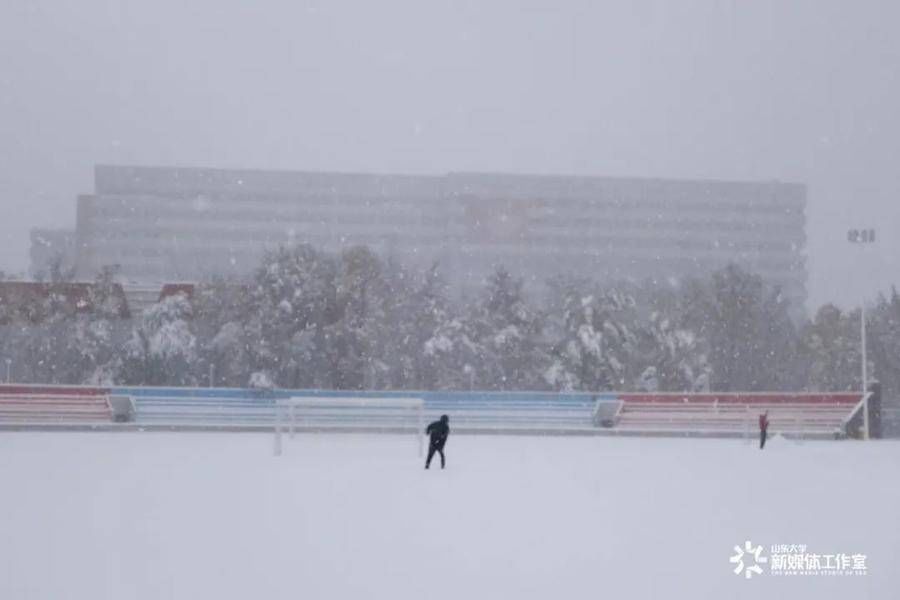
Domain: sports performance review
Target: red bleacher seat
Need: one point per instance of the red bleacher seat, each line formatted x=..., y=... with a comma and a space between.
x=54, y=405
x=792, y=414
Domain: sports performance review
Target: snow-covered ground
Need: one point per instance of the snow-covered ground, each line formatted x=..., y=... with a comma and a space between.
x=216, y=516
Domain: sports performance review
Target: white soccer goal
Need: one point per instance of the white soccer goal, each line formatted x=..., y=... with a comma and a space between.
x=404, y=415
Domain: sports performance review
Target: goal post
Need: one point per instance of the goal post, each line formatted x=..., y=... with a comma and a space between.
x=349, y=413
x=861, y=408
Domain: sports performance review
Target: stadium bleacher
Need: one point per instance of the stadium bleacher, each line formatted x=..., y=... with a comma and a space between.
x=476, y=411
x=53, y=405
x=809, y=415
x=732, y=414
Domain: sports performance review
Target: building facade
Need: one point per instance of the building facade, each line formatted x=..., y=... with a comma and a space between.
x=168, y=224
x=52, y=253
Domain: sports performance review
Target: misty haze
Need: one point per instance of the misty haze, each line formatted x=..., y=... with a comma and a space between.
x=621, y=276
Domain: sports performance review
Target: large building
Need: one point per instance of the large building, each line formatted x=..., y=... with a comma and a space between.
x=52, y=253
x=165, y=224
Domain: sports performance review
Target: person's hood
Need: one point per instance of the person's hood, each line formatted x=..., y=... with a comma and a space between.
x=445, y=419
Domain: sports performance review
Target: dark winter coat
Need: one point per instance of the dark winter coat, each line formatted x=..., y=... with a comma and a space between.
x=439, y=430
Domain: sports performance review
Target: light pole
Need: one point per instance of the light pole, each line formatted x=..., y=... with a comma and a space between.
x=8, y=367
x=863, y=237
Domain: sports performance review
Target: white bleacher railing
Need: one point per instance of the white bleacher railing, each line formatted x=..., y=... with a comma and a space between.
x=862, y=405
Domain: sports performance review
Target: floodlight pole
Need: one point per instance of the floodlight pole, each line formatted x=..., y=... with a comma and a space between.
x=865, y=378
x=862, y=337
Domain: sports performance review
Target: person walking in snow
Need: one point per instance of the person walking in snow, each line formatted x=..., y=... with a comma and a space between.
x=763, y=429
x=439, y=430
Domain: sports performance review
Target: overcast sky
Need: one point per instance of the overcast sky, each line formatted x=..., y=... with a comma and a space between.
x=736, y=89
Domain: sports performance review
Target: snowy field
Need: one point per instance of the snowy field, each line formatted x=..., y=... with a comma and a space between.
x=89, y=516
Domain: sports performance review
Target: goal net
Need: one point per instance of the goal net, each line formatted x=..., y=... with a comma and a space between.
x=342, y=414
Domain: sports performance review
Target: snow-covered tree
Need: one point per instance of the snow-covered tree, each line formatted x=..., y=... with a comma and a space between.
x=98, y=334
x=505, y=334
x=162, y=348
x=354, y=321
x=594, y=346
x=439, y=341
x=221, y=310
x=676, y=358
x=416, y=346
x=280, y=326
x=883, y=337
x=352, y=342
x=67, y=334
x=746, y=323
x=831, y=345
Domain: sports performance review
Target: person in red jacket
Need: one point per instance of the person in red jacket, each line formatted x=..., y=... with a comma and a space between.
x=763, y=429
